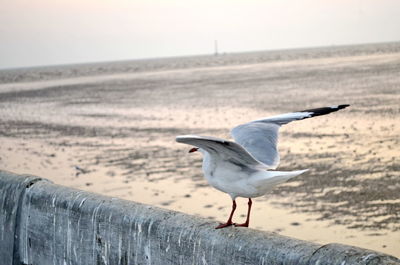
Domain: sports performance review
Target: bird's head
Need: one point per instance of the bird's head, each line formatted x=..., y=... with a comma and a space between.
x=194, y=149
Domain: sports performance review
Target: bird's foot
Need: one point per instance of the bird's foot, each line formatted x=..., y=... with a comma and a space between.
x=242, y=225
x=224, y=225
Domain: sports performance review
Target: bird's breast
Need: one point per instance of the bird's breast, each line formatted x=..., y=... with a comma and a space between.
x=226, y=177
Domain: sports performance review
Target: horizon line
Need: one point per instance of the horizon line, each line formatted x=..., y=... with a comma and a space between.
x=221, y=53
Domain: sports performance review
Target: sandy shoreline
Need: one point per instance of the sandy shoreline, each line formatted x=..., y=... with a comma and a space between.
x=120, y=128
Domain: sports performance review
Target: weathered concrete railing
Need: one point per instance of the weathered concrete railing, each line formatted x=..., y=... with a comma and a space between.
x=42, y=223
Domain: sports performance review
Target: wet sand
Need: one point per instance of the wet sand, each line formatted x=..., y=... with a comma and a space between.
x=117, y=124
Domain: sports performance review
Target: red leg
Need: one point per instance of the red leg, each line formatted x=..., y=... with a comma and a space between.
x=246, y=224
x=229, y=222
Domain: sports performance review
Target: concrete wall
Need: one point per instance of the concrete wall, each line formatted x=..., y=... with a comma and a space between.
x=42, y=223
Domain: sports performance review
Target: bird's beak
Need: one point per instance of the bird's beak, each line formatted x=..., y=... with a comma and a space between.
x=194, y=149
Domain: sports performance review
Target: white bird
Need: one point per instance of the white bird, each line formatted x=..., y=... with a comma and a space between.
x=243, y=168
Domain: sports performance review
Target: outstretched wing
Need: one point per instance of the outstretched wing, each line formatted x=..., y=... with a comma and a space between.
x=223, y=149
x=260, y=137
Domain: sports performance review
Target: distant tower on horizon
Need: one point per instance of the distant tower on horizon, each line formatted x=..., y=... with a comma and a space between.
x=215, y=47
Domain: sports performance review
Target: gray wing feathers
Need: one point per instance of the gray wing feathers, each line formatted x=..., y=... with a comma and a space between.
x=225, y=150
x=256, y=140
x=260, y=137
x=260, y=140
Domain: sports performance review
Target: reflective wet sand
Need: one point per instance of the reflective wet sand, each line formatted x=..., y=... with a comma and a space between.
x=118, y=126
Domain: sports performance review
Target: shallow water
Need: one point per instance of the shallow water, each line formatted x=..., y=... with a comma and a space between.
x=119, y=126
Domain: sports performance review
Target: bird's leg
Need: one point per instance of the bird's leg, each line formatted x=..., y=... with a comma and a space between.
x=229, y=222
x=246, y=224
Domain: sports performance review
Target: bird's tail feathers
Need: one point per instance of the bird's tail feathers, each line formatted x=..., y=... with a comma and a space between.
x=278, y=177
x=290, y=174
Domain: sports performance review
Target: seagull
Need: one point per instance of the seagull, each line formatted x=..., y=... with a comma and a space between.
x=244, y=168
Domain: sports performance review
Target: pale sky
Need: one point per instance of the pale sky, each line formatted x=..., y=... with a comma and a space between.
x=46, y=32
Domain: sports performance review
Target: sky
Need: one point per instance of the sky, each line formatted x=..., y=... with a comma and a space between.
x=48, y=32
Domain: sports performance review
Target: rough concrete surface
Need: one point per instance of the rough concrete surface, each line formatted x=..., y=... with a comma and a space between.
x=59, y=225
x=12, y=190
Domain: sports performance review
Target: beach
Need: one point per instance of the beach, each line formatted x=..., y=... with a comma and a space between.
x=110, y=128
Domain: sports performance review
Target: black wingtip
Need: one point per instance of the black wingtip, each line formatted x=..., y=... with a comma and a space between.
x=343, y=106
x=325, y=110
